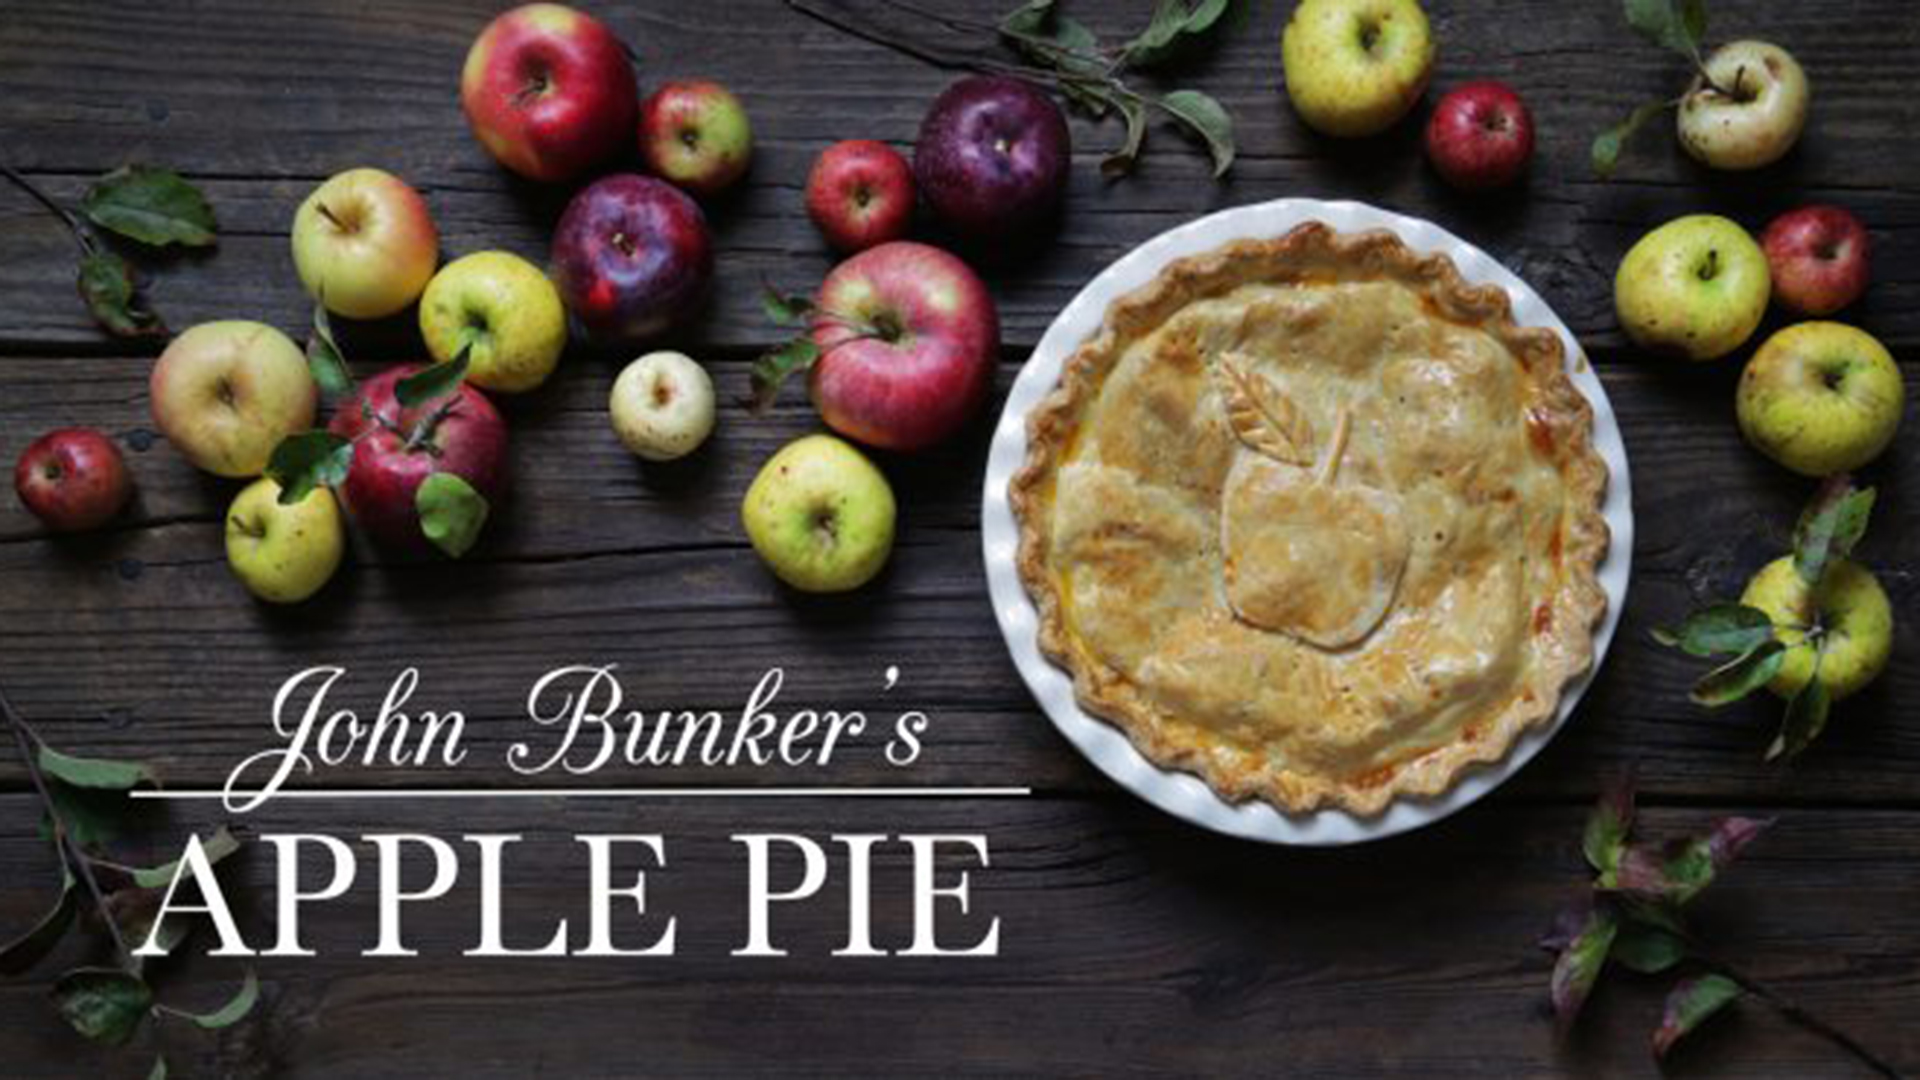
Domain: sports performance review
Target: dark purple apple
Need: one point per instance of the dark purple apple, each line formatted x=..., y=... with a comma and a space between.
x=992, y=156
x=398, y=448
x=632, y=258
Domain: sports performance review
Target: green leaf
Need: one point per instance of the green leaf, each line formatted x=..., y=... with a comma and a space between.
x=102, y=1004
x=235, y=1010
x=92, y=816
x=1174, y=23
x=159, y=1069
x=1720, y=630
x=1038, y=31
x=1206, y=118
x=1608, y=824
x=432, y=381
x=451, y=512
x=1608, y=144
x=1739, y=677
x=98, y=773
x=1646, y=949
x=309, y=460
x=772, y=369
x=1121, y=161
x=1690, y=1003
x=782, y=309
x=1672, y=24
x=1677, y=872
x=1805, y=719
x=30, y=948
x=106, y=284
x=1090, y=96
x=1579, y=964
x=153, y=206
x=323, y=357
x=1830, y=526
x=217, y=847
x=135, y=910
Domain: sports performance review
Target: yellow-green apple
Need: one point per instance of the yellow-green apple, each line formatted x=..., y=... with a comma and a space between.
x=225, y=394
x=283, y=553
x=397, y=448
x=908, y=336
x=1354, y=67
x=859, y=194
x=1820, y=398
x=364, y=244
x=1746, y=108
x=695, y=134
x=549, y=91
x=503, y=312
x=662, y=406
x=992, y=158
x=1819, y=258
x=820, y=515
x=72, y=479
x=632, y=258
x=1695, y=287
x=1480, y=136
x=1849, y=607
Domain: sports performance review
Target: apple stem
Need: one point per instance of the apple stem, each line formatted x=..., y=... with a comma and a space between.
x=327, y=213
x=1799, y=1014
x=421, y=438
x=926, y=55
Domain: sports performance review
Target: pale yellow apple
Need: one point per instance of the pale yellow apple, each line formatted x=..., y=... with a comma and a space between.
x=662, y=406
x=1747, y=109
x=283, y=554
x=1353, y=67
x=821, y=515
x=364, y=244
x=225, y=394
x=1695, y=287
x=504, y=311
x=1821, y=398
x=1851, y=606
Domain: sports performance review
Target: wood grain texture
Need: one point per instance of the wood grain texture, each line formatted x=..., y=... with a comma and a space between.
x=1134, y=945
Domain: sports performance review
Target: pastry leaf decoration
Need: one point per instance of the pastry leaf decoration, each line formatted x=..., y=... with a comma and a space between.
x=1263, y=417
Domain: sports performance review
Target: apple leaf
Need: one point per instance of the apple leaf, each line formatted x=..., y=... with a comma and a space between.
x=451, y=512
x=783, y=309
x=1121, y=161
x=1608, y=144
x=1175, y=22
x=1689, y=1005
x=98, y=773
x=1580, y=962
x=153, y=206
x=432, y=381
x=1805, y=719
x=1676, y=872
x=1671, y=24
x=1038, y=31
x=234, y=1011
x=1204, y=117
x=323, y=357
x=1739, y=677
x=217, y=848
x=1830, y=526
x=309, y=460
x=102, y=1004
x=1608, y=825
x=31, y=947
x=159, y=1069
x=1719, y=630
x=1646, y=949
x=106, y=284
x=772, y=369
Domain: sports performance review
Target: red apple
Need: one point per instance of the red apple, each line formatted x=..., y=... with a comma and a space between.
x=631, y=258
x=908, y=336
x=859, y=194
x=400, y=448
x=548, y=91
x=1819, y=256
x=1480, y=136
x=695, y=135
x=73, y=479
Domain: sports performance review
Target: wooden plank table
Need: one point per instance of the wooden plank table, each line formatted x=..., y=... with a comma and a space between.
x=1130, y=943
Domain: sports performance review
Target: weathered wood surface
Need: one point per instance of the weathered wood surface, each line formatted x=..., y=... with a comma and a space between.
x=1134, y=944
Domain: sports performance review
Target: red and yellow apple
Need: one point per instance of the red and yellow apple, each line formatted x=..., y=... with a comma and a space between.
x=225, y=394
x=695, y=135
x=549, y=91
x=1819, y=258
x=859, y=194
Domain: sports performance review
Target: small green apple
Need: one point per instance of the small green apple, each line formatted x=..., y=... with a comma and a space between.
x=1695, y=287
x=1849, y=606
x=225, y=394
x=1746, y=108
x=283, y=554
x=1821, y=398
x=364, y=244
x=820, y=515
x=1353, y=67
x=504, y=311
x=662, y=406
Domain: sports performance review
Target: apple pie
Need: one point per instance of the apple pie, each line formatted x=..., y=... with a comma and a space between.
x=1312, y=518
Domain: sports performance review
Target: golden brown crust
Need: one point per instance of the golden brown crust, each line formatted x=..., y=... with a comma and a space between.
x=1561, y=418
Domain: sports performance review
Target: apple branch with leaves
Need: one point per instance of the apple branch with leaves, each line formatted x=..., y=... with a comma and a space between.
x=1635, y=916
x=150, y=206
x=1678, y=25
x=85, y=804
x=1750, y=645
x=1065, y=54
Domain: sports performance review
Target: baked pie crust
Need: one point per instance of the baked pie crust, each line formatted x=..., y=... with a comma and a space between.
x=1312, y=518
